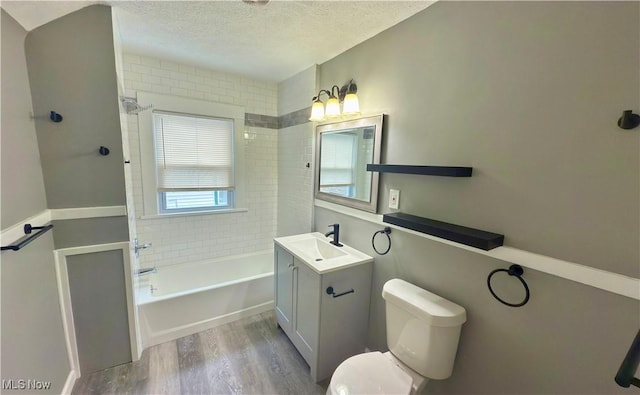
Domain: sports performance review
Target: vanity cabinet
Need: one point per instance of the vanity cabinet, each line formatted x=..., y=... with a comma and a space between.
x=325, y=327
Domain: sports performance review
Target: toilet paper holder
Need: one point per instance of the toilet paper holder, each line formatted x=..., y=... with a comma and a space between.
x=330, y=291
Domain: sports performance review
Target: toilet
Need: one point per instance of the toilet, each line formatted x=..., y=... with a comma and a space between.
x=423, y=330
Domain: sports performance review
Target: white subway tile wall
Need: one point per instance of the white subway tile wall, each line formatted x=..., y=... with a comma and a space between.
x=295, y=182
x=295, y=150
x=197, y=238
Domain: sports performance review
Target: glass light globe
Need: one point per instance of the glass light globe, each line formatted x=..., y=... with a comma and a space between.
x=317, y=111
x=333, y=107
x=351, y=104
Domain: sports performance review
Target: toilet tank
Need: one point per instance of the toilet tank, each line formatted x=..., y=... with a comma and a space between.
x=423, y=328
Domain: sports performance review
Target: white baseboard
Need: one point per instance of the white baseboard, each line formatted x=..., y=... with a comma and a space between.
x=68, y=385
x=16, y=231
x=189, y=329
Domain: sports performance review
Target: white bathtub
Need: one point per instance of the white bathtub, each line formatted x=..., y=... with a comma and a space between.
x=192, y=297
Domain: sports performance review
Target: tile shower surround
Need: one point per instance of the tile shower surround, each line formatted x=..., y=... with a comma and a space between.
x=293, y=118
x=200, y=237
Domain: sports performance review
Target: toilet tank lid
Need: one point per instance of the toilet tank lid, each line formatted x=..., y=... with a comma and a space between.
x=433, y=309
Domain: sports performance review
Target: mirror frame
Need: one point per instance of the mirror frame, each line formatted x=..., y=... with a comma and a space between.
x=374, y=120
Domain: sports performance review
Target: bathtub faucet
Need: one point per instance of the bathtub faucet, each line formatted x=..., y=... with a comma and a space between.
x=336, y=235
x=146, y=270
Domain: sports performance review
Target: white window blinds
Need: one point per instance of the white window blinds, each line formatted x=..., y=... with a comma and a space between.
x=337, y=159
x=193, y=153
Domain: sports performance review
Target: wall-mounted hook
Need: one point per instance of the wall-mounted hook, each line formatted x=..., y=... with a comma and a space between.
x=629, y=120
x=55, y=117
x=104, y=151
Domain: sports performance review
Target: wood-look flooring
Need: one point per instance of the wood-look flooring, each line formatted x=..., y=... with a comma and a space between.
x=248, y=356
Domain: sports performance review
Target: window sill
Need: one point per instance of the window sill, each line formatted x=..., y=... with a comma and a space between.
x=196, y=213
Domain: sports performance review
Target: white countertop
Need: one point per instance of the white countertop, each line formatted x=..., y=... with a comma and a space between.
x=316, y=251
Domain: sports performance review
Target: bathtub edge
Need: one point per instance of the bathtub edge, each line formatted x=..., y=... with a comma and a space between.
x=190, y=329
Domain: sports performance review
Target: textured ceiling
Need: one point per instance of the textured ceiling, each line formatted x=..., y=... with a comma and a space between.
x=270, y=42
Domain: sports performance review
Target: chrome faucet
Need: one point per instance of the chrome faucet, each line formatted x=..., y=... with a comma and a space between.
x=146, y=270
x=336, y=235
x=137, y=246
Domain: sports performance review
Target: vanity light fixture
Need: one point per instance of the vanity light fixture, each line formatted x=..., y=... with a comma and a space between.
x=347, y=95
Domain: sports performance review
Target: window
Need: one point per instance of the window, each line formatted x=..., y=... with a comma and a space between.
x=194, y=161
x=188, y=156
x=338, y=163
x=195, y=200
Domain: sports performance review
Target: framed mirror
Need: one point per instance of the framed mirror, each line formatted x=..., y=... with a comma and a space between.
x=343, y=151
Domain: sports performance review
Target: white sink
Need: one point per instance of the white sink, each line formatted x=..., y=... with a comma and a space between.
x=317, y=249
x=317, y=252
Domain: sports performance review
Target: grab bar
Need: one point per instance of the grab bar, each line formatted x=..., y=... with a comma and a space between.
x=27, y=231
x=629, y=365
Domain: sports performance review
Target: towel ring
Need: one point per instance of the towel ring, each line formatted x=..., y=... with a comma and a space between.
x=514, y=270
x=384, y=231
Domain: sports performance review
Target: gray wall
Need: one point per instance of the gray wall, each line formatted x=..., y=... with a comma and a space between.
x=32, y=341
x=23, y=189
x=99, y=303
x=528, y=93
x=90, y=231
x=72, y=71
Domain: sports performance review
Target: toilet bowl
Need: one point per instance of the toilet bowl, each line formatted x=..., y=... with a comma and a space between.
x=375, y=373
x=423, y=330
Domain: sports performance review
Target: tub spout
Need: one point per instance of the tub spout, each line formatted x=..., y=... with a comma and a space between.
x=146, y=270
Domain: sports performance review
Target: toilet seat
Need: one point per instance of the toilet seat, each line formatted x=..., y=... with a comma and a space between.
x=369, y=373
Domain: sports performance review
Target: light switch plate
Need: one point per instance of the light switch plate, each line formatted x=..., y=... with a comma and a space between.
x=394, y=198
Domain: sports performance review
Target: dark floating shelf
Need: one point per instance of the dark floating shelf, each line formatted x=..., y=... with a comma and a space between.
x=443, y=171
x=460, y=234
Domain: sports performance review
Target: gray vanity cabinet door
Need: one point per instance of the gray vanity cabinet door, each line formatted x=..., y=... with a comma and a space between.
x=307, y=312
x=284, y=288
x=344, y=320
